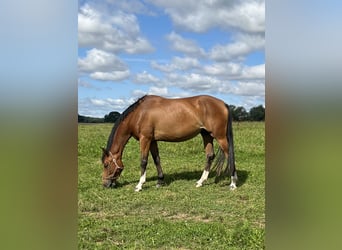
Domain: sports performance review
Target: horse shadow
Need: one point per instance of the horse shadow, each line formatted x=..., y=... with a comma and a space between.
x=242, y=177
x=192, y=175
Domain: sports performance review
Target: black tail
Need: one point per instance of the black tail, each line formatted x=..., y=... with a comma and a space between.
x=230, y=138
x=220, y=155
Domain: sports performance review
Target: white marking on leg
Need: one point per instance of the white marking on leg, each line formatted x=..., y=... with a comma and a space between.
x=141, y=182
x=204, y=177
x=233, y=181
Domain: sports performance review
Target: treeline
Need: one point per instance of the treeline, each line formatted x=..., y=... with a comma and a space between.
x=239, y=114
x=88, y=119
x=255, y=114
x=110, y=118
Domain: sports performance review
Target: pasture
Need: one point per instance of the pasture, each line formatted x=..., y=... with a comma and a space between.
x=177, y=215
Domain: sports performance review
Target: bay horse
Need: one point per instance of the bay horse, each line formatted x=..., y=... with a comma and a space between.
x=153, y=118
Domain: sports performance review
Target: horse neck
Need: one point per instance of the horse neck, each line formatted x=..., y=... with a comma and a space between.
x=120, y=139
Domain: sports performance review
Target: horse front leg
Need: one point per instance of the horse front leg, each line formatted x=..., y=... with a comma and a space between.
x=155, y=154
x=144, y=149
x=142, y=179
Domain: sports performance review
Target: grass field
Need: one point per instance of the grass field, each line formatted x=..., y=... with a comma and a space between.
x=177, y=215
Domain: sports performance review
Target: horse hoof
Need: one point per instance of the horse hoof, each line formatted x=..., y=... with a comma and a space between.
x=159, y=185
x=137, y=189
x=232, y=187
x=199, y=185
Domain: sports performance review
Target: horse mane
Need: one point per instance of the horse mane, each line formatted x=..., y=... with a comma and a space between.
x=122, y=117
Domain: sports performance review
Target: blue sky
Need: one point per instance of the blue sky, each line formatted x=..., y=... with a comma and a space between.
x=169, y=48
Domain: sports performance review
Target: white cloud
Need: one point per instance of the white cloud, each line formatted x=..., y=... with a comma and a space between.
x=162, y=91
x=254, y=72
x=218, y=69
x=131, y=6
x=249, y=88
x=200, y=16
x=117, y=32
x=186, y=46
x=185, y=63
x=138, y=93
x=223, y=69
x=177, y=63
x=235, y=71
x=193, y=82
x=243, y=45
x=98, y=60
x=252, y=101
x=104, y=66
x=158, y=91
x=110, y=76
x=97, y=102
x=107, y=104
x=84, y=84
x=96, y=107
x=146, y=78
x=246, y=82
x=248, y=16
x=250, y=92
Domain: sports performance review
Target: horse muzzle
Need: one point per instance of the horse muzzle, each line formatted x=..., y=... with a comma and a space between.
x=109, y=183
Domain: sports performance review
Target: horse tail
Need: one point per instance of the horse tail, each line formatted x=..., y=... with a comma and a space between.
x=220, y=160
x=230, y=138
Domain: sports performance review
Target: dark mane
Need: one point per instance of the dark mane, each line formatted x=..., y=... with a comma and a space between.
x=122, y=117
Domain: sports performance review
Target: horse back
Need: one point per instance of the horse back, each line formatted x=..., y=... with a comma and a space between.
x=178, y=119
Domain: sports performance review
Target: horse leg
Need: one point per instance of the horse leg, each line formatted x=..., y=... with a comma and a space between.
x=144, y=149
x=209, y=150
x=155, y=154
x=224, y=146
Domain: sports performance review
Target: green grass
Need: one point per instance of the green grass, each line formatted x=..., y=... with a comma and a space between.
x=177, y=215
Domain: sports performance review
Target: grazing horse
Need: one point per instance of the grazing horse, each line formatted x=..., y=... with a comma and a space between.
x=153, y=118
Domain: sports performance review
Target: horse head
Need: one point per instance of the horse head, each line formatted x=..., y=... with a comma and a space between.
x=111, y=169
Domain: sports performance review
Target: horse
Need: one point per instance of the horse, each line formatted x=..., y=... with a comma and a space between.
x=153, y=118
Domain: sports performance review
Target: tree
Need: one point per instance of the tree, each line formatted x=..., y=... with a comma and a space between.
x=111, y=117
x=257, y=113
x=81, y=118
x=232, y=109
x=88, y=119
x=238, y=113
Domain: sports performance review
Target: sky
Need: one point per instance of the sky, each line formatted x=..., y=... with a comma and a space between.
x=169, y=48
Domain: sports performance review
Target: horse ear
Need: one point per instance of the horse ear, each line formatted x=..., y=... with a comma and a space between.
x=105, y=151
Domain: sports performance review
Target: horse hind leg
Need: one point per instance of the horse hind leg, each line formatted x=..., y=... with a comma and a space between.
x=209, y=150
x=224, y=147
x=234, y=180
x=155, y=154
